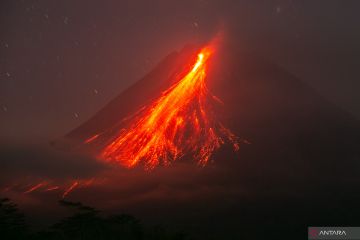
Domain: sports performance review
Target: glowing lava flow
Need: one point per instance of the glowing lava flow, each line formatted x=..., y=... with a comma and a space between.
x=71, y=188
x=48, y=186
x=179, y=123
x=37, y=186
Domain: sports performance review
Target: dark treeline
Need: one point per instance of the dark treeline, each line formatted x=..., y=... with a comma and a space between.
x=85, y=223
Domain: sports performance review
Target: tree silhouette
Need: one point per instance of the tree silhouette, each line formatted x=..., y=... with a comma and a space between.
x=85, y=223
x=12, y=222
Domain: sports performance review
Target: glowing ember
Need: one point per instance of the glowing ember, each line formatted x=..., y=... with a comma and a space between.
x=72, y=187
x=64, y=188
x=92, y=138
x=37, y=186
x=180, y=122
x=52, y=188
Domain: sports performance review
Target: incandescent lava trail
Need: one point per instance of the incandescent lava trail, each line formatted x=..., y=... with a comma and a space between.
x=179, y=123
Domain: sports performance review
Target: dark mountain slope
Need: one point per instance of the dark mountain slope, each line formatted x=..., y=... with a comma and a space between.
x=301, y=168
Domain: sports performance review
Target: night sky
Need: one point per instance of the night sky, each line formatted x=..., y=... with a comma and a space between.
x=61, y=61
x=291, y=97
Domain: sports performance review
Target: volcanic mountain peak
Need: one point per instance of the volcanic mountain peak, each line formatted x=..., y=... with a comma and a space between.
x=282, y=117
x=180, y=122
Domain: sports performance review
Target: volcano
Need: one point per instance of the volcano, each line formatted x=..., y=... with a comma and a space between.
x=176, y=124
x=264, y=104
x=300, y=168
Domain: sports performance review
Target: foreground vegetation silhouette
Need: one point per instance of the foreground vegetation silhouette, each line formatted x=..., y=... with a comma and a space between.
x=85, y=223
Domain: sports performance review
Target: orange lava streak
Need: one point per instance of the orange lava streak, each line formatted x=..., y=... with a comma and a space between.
x=72, y=187
x=35, y=187
x=52, y=188
x=92, y=138
x=179, y=123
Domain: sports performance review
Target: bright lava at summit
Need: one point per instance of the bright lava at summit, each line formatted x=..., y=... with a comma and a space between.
x=180, y=123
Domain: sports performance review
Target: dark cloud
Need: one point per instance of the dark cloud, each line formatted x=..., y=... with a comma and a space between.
x=212, y=201
x=21, y=161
